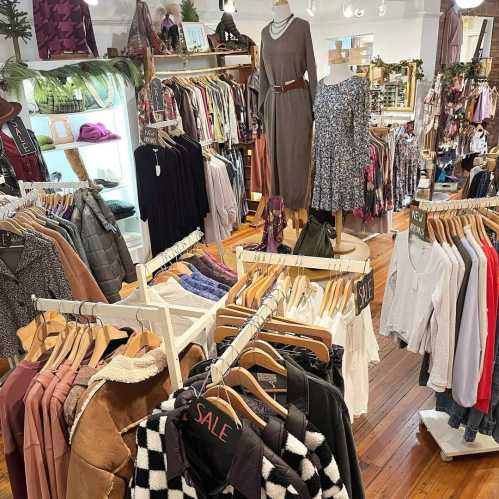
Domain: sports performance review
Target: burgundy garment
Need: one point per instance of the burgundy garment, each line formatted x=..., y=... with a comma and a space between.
x=63, y=26
x=27, y=168
x=452, y=38
x=12, y=423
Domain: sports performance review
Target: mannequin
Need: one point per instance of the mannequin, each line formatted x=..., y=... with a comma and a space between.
x=282, y=10
x=456, y=8
x=340, y=68
x=339, y=71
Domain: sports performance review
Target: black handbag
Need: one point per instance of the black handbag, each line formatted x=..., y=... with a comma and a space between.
x=315, y=240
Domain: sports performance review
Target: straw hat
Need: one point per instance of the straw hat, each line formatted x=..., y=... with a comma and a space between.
x=8, y=110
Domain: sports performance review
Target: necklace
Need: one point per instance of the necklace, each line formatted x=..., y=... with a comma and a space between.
x=278, y=27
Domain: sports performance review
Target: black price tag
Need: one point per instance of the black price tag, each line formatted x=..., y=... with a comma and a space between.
x=157, y=100
x=211, y=425
x=419, y=220
x=150, y=136
x=364, y=292
x=21, y=136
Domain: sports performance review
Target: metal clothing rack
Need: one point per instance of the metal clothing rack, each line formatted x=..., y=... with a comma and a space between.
x=30, y=186
x=158, y=316
x=450, y=440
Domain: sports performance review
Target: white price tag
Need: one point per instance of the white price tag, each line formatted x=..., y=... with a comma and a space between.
x=2, y=179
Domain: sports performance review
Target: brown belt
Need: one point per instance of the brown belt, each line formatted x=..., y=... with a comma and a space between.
x=294, y=85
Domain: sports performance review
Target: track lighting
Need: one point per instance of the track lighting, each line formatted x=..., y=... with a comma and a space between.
x=312, y=8
x=92, y=2
x=228, y=6
x=360, y=12
x=348, y=10
x=382, y=9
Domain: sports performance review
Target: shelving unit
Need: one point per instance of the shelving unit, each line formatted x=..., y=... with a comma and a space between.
x=78, y=145
x=216, y=53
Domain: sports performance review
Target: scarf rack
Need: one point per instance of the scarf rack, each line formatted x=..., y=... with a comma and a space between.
x=159, y=316
x=40, y=186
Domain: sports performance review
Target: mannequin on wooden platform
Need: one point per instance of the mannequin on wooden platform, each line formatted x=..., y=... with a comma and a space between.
x=339, y=71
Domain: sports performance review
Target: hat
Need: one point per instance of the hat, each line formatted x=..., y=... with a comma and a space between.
x=8, y=110
x=90, y=132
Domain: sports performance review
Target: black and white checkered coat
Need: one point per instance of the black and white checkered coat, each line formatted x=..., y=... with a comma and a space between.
x=150, y=476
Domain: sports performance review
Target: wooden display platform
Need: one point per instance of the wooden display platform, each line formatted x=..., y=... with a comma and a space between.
x=451, y=441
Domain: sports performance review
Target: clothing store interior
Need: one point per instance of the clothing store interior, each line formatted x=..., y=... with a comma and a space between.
x=228, y=222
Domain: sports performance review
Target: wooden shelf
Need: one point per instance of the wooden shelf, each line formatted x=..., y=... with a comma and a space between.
x=88, y=111
x=202, y=54
x=79, y=145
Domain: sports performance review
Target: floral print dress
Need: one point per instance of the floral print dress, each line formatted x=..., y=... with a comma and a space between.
x=341, y=144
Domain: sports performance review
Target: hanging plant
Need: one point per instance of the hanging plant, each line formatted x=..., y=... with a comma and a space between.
x=467, y=70
x=401, y=67
x=80, y=76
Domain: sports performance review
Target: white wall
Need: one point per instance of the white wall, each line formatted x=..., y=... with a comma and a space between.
x=410, y=29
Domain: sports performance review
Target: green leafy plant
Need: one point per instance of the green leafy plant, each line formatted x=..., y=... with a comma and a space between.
x=468, y=70
x=106, y=73
x=189, y=12
x=399, y=67
x=14, y=24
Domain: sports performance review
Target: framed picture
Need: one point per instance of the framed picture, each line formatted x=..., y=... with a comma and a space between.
x=195, y=37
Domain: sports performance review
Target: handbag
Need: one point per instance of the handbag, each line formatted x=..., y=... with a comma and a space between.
x=314, y=240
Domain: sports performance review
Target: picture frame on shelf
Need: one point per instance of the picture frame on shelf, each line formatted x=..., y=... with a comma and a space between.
x=195, y=37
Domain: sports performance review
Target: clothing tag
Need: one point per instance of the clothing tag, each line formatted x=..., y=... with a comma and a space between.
x=158, y=170
x=157, y=100
x=271, y=381
x=2, y=179
x=418, y=224
x=21, y=137
x=8, y=239
x=212, y=425
x=364, y=292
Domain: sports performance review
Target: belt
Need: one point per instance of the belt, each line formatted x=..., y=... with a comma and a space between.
x=294, y=85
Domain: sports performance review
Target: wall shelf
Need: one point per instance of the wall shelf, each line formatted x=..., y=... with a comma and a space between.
x=79, y=145
x=221, y=53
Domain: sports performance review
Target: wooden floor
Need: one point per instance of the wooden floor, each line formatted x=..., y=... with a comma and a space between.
x=398, y=458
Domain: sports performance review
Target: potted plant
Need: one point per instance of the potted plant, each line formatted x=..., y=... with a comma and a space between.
x=14, y=24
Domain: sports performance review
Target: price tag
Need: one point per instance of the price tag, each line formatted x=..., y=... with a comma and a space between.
x=157, y=99
x=2, y=179
x=419, y=220
x=21, y=136
x=364, y=292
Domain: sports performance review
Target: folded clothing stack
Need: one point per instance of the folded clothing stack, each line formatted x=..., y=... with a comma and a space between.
x=121, y=209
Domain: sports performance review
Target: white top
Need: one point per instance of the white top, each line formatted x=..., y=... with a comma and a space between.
x=172, y=293
x=482, y=293
x=309, y=306
x=416, y=305
x=356, y=335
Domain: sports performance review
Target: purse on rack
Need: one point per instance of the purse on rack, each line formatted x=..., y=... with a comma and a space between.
x=314, y=240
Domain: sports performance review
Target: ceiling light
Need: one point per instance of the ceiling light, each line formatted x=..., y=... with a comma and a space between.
x=382, y=9
x=312, y=8
x=360, y=12
x=92, y=2
x=468, y=4
x=228, y=6
x=348, y=10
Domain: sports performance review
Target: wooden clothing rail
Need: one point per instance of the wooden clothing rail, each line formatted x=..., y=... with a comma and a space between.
x=187, y=72
x=457, y=204
x=159, y=316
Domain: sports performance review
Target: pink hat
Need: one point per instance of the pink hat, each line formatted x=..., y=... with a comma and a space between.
x=90, y=132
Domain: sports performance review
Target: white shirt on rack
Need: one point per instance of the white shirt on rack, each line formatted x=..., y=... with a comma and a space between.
x=309, y=306
x=356, y=335
x=482, y=293
x=416, y=305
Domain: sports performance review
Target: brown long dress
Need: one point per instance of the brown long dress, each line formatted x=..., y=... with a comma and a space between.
x=288, y=116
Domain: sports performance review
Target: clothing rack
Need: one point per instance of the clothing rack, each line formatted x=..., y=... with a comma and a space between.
x=457, y=204
x=159, y=316
x=310, y=262
x=218, y=69
x=247, y=333
x=15, y=204
x=30, y=186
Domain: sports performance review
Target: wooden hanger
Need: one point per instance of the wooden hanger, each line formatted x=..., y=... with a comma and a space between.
x=33, y=336
x=103, y=337
x=236, y=402
x=86, y=340
x=240, y=284
x=274, y=325
x=224, y=407
x=347, y=293
x=63, y=348
x=331, y=306
x=267, y=348
x=327, y=294
x=241, y=377
x=141, y=340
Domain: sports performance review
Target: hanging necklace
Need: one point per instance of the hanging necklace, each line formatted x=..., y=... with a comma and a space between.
x=278, y=27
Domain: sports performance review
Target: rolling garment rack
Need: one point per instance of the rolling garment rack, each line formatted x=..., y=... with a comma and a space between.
x=451, y=441
x=159, y=316
x=271, y=303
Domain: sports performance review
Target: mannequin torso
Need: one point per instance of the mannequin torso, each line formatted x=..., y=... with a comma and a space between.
x=338, y=73
x=283, y=17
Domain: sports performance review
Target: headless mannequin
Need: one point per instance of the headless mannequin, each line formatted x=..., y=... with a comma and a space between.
x=339, y=71
x=281, y=11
